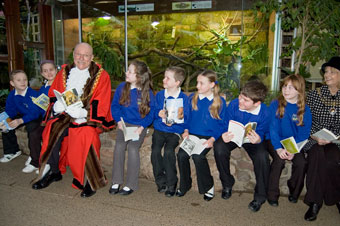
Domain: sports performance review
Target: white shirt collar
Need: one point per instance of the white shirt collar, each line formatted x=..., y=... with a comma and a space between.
x=166, y=94
x=256, y=111
x=210, y=97
x=23, y=94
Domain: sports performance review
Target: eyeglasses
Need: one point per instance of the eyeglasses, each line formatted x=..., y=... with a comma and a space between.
x=85, y=56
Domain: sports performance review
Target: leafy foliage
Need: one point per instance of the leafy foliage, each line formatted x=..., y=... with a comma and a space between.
x=318, y=27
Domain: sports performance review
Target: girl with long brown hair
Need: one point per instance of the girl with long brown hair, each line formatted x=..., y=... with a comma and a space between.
x=207, y=109
x=291, y=117
x=134, y=103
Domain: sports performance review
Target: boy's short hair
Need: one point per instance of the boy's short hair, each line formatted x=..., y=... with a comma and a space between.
x=179, y=73
x=14, y=72
x=255, y=90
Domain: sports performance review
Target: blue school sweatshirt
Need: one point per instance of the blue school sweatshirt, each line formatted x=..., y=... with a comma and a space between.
x=282, y=128
x=130, y=113
x=174, y=128
x=262, y=118
x=200, y=120
x=22, y=105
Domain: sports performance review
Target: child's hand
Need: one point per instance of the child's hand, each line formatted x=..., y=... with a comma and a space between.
x=120, y=125
x=139, y=130
x=209, y=142
x=253, y=137
x=320, y=141
x=290, y=156
x=15, y=123
x=283, y=153
x=227, y=137
x=185, y=134
x=3, y=127
x=162, y=114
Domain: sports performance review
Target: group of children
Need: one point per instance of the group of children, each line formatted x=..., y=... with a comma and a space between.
x=206, y=115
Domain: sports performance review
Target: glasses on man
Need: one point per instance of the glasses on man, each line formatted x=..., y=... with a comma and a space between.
x=85, y=56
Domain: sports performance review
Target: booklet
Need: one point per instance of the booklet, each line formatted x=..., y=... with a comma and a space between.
x=129, y=132
x=326, y=134
x=42, y=101
x=240, y=131
x=4, y=120
x=173, y=111
x=291, y=146
x=69, y=98
x=193, y=145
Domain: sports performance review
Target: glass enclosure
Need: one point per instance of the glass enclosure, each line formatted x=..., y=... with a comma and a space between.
x=217, y=34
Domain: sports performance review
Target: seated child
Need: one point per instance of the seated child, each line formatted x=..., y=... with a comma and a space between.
x=48, y=70
x=247, y=108
x=22, y=111
x=291, y=117
x=167, y=133
x=206, y=110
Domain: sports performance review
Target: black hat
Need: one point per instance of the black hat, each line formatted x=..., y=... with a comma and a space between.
x=333, y=62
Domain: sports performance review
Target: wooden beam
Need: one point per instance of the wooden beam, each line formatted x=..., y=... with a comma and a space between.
x=46, y=31
x=13, y=33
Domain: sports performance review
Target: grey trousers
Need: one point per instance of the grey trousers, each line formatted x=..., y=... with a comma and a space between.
x=133, y=162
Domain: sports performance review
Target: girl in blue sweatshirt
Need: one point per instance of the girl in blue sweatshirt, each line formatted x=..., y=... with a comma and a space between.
x=134, y=103
x=205, y=121
x=291, y=117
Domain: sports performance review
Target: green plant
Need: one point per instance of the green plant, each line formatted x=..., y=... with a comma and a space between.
x=3, y=96
x=317, y=22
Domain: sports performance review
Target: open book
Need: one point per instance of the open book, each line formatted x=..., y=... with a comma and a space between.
x=240, y=131
x=193, y=145
x=129, y=132
x=291, y=146
x=173, y=111
x=4, y=120
x=325, y=134
x=69, y=98
x=42, y=101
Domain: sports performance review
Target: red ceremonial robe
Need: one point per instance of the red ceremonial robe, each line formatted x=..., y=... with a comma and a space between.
x=80, y=150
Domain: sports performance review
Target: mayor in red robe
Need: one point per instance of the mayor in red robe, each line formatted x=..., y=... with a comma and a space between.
x=71, y=135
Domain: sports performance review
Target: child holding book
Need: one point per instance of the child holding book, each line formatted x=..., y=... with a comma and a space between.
x=21, y=111
x=247, y=108
x=134, y=102
x=167, y=134
x=48, y=70
x=206, y=110
x=291, y=117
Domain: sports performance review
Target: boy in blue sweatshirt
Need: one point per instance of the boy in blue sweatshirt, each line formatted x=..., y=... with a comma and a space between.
x=22, y=111
x=167, y=134
x=247, y=108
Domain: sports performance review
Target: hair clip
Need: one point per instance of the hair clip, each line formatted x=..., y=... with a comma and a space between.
x=216, y=82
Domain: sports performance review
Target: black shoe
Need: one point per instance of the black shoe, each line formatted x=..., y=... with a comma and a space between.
x=87, y=191
x=226, y=193
x=208, y=196
x=170, y=191
x=338, y=205
x=47, y=180
x=114, y=191
x=161, y=188
x=124, y=192
x=255, y=205
x=179, y=193
x=292, y=199
x=273, y=203
x=312, y=212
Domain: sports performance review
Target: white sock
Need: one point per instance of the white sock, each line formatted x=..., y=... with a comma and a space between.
x=210, y=193
x=126, y=188
x=115, y=186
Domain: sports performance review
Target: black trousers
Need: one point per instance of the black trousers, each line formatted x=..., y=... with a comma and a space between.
x=260, y=158
x=204, y=179
x=10, y=142
x=323, y=175
x=54, y=158
x=164, y=166
x=297, y=179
